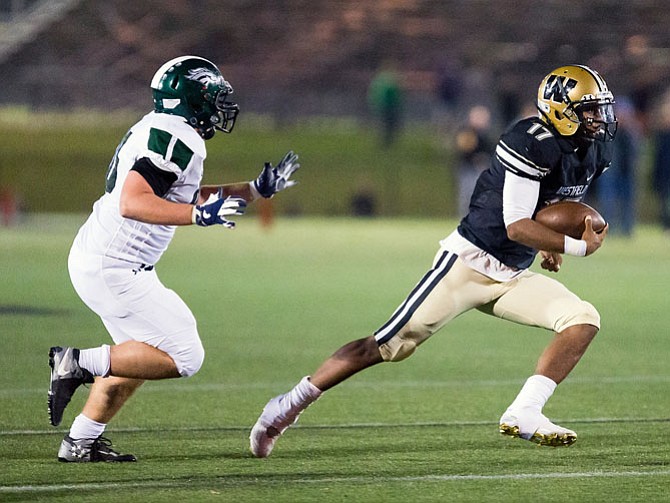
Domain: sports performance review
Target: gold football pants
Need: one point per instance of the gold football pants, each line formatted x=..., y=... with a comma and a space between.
x=451, y=288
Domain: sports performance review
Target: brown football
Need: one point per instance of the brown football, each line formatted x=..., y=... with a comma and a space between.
x=567, y=217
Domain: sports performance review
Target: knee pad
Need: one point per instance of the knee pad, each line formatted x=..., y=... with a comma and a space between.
x=189, y=360
x=397, y=349
x=184, y=347
x=584, y=314
x=403, y=344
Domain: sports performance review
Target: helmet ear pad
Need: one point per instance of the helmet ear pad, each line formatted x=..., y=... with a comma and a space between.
x=207, y=134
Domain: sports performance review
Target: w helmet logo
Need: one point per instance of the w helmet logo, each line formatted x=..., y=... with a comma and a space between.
x=206, y=77
x=558, y=88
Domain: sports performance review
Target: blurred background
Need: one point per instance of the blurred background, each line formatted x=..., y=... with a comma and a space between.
x=393, y=105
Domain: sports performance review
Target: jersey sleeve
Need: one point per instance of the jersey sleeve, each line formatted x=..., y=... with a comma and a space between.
x=528, y=150
x=167, y=152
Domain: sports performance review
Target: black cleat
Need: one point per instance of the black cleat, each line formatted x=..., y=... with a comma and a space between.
x=66, y=377
x=90, y=450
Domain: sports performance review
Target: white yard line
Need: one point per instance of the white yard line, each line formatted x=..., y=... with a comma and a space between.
x=159, y=484
x=342, y=426
x=447, y=383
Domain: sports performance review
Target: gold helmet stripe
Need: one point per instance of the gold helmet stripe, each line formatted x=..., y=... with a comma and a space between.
x=602, y=86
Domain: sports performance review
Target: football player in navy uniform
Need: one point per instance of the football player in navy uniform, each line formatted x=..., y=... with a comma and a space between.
x=484, y=263
x=152, y=186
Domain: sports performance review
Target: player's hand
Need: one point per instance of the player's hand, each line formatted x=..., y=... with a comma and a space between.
x=594, y=240
x=551, y=261
x=275, y=179
x=215, y=209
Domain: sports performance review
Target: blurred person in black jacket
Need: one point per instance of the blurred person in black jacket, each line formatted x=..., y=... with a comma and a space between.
x=616, y=190
x=661, y=178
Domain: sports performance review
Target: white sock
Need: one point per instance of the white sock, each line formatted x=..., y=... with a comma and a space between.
x=298, y=399
x=96, y=360
x=534, y=393
x=83, y=427
x=303, y=394
x=307, y=390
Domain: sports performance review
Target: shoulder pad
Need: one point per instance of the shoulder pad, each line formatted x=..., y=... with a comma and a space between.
x=529, y=149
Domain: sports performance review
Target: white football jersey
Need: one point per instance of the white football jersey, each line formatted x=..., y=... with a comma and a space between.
x=171, y=145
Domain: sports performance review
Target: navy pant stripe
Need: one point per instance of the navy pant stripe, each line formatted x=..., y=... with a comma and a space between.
x=402, y=315
x=426, y=278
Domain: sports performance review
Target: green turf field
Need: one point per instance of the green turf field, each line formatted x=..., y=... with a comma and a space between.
x=271, y=305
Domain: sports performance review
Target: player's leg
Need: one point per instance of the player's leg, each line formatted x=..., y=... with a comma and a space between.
x=435, y=300
x=447, y=290
x=139, y=360
x=154, y=330
x=84, y=442
x=347, y=361
x=524, y=416
x=72, y=367
x=155, y=333
x=156, y=338
x=565, y=350
x=284, y=410
x=107, y=396
x=538, y=300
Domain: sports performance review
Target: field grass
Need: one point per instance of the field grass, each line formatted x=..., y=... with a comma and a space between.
x=271, y=304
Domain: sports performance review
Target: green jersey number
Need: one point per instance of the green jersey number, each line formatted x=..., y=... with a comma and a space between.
x=110, y=178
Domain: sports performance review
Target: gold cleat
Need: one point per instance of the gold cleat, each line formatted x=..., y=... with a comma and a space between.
x=560, y=437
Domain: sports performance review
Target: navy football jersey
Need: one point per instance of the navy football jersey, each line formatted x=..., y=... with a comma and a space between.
x=532, y=150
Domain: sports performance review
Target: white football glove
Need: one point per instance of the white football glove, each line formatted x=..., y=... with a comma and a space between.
x=213, y=211
x=275, y=179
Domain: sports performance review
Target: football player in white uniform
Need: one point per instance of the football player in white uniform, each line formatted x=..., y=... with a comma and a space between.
x=152, y=186
x=484, y=263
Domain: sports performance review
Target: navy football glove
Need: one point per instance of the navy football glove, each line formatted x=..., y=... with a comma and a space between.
x=273, y=180
x=213, y=211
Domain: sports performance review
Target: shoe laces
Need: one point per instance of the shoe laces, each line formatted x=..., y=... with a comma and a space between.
x=104, y=443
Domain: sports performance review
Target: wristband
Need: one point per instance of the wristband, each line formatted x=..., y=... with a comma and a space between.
x=576, y=247
x=193, y=214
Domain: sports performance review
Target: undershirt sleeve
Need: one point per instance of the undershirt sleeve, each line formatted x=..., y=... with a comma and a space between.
x=520, y=197
x=159, y=180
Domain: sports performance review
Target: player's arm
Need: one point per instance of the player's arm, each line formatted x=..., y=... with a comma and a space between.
x=142, y=199
x=520, y=197
x=271, y=180
x=139, y=201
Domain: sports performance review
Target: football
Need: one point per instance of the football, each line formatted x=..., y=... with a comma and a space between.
x=567, y=217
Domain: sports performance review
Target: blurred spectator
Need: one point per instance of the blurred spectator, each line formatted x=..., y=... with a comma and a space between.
x=616, y=188
x=9, y=207
x=363, y=200
x=363, y=204
x=449, y=82
x=266, y=213
x=474, y=146
x=661, y=175
x=385, y=100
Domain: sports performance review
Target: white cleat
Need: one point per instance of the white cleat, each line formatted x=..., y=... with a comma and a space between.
x=262, y=439
x=276, y=417
x=535, y=426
